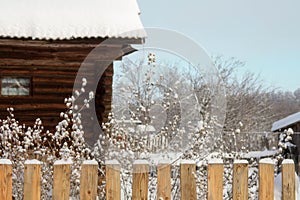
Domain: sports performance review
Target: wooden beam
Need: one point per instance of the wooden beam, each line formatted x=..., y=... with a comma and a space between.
x=79, y=42
x=61, y=180
x=113, y=183
x=164, y=181
x=140, y=180
x=240, y=180
x=5, y=179
x=188, y=180
x=32, y=180
x=288, y=180
x=89, y=180
x=266, y=179
x=215, y=179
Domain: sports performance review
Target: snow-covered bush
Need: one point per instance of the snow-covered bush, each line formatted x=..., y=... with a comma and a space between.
x=160, y=135
x=285, y=146
x=18, y=143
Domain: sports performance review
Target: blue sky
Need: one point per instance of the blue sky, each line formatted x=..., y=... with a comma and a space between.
x=263, y=33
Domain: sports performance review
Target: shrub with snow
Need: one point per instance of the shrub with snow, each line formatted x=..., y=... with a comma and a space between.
x=18, y=143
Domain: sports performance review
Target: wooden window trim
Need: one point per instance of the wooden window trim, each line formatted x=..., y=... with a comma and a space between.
x=17, y=77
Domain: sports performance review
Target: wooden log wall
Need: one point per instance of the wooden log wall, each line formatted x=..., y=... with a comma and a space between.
x=52, y=67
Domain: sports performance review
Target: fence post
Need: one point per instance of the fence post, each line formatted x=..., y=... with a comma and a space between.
x=140, y=180
x=5, y=179
x=61, y=180
x=288, y=180
x=240, y=180
x=32, y=180
x=164, y=181
x=266, y=179
x=188, y=180
x=113, y=183
x=215, y=179
x=89, y=180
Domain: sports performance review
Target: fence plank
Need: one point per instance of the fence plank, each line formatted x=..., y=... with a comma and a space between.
x=266, y=179
x=89, y=180
x=215, y=179
x=288, y=180
x=32, y=180
x=113, y=184
x=164, y=181
x=188, y=180
x=61, y=180
x=5, y=179
x=140, y=180
x=240, y=180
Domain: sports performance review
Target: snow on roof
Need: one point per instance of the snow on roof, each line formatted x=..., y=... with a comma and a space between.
x=259, y=154
x=283, y=123
x=67, y=19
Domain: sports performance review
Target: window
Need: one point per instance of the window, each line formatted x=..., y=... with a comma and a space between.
x=11, y=86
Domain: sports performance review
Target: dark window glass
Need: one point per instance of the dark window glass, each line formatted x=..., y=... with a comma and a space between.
x=15, y=86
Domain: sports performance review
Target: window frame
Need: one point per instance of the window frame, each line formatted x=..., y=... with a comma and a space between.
x=30, y=87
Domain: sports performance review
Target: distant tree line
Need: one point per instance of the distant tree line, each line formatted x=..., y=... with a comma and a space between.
x=250, y=101
x=250, y=106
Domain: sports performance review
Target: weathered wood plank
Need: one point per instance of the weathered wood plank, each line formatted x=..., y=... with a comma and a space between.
x=33, y=72
x=164, y=181
x=140, y=180
x=101, y=53
x=32, y=180
x=188, y=180
x=240, y=180
x=89, y=180
x=35, y=106
x=27, y=63
x=215, y=180
x=53, y=90
x=113, y=183
x=288, y=180
x=266, y=179
x=5, y=179
x=61, y=180
x=78, y=42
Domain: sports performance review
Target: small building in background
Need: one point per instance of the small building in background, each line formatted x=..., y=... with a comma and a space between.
x=44, y=43
x=293, y=122
x=290, y=122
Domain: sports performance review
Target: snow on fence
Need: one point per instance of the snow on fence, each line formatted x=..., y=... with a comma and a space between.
x=89, y=178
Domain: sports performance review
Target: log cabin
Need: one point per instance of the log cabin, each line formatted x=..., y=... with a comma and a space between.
x=43, y=45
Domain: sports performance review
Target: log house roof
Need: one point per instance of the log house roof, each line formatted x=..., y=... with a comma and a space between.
x=69, y=19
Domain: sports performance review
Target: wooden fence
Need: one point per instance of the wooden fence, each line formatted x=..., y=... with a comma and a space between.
x=89, y=178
